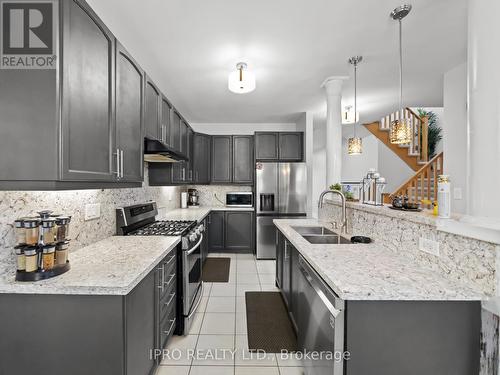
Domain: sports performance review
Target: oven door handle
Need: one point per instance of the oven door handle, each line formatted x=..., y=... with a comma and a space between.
x=195, y=307
x=196, y=246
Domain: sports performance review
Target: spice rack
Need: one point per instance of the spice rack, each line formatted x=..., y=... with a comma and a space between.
x=43, y=245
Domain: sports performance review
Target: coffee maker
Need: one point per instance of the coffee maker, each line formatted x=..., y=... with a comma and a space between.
x=193, y=198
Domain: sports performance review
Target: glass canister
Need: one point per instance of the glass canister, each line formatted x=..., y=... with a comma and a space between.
x=20, y=231
x=62, y=228
x=48, y=257
x=62, y=249
x=31, y=258
x=49, y=231
x=20, y=258
x=31, y=230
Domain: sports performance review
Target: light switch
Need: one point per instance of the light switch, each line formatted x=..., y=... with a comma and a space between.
x=92, y=211
x=428, y=246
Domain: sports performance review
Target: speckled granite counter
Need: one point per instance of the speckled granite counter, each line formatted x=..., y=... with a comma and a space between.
x=371, y=272
x=199, y=213
x=113, y=266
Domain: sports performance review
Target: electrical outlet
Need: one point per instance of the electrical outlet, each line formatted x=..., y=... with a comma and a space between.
x=457, y=193
x=162, y=211
x=92, y=211
x=428, y=246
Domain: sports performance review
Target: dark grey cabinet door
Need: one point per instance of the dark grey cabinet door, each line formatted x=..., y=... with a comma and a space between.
x=152, y=110
x=239, y=233
x=175, y=131
x=295, y=274
x=243, y=162
x=280, y=249
x=165, y=128
x=285, y=282
x=88, y=96
x=140, y=310
x=266, y=146
x=189, y=152
x=129, y=115
x=291, y=146
x=201, y=158
x=216, y=230
x=222, y=159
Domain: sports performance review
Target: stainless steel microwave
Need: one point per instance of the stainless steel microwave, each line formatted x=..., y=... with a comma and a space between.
x=239, y=199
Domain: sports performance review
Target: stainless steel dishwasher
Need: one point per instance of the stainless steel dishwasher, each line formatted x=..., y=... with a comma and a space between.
x=320, y=323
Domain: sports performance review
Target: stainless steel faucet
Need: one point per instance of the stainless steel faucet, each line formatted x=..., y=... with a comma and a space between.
x=343, y=227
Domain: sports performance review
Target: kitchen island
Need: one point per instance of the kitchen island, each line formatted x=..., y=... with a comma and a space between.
x=386, y=311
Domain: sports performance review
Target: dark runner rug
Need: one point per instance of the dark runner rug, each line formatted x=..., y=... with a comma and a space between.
x=268, y=325
x=216, y=270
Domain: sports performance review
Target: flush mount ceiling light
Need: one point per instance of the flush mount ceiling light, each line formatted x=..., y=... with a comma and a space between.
x=242, y=80
x=348, y=116
x=400, y=129
x=355, y=144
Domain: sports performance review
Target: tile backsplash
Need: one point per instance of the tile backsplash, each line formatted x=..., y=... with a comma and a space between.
x=215, y=195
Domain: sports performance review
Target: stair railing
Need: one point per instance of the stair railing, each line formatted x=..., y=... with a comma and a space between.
x=423, y=185
x=418, y=145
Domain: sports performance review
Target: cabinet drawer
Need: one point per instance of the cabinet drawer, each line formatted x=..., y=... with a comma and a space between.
x=168, y=301
x=168, y=273
x=167, y=327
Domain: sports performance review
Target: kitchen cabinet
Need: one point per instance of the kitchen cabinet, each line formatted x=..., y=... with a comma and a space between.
x=180, y=171
x=279, y=146
x=201, y=158
x=286, y=274
x=231, y=230
x=90, y=334
x=216, y=230
x=294, y=286
x=190, y=152
x=280, y=250
x=129, y=115
x=152, y=110
x=243, y=161
x=238, y=234
x=222, y=160
x=175, y=131
x=290, y=146
x=88, y=96
x=165, y=124
x=266, y=146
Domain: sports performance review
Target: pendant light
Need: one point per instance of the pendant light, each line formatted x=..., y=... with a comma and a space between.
x=355, y=144
x=400, y=129
x=241, y=81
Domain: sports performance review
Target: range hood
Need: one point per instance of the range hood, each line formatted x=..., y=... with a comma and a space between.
x=158, y=152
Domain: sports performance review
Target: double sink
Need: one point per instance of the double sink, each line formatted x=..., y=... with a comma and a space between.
x=320, y=235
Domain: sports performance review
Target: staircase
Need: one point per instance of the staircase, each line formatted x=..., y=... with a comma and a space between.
x=414, y=153
x=422, y=186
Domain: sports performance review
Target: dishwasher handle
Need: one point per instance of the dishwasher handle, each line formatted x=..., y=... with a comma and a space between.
x=332, y=309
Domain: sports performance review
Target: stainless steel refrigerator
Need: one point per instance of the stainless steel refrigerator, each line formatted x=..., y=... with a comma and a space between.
x=281, y=192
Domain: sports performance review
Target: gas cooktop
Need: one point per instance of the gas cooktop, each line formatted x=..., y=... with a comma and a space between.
x=165, y=228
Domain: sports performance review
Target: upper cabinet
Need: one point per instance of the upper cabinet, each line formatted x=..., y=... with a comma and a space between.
x=243, y=161
x=222, y=159
x=165, y=123
x=232, y=159
x=152, y=111
x=201, y=158
x=88, y=142
x=279, y=146
x=129, y=115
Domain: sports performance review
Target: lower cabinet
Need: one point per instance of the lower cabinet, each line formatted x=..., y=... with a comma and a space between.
x=231, y=230
x=90, y=334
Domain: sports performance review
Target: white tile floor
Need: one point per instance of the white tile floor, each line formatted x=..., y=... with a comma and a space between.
x=220, y=328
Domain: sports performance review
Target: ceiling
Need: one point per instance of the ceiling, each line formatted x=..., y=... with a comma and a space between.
x=189, y=47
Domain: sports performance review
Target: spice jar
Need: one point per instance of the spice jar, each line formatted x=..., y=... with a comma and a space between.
x=31, y=230
x=31, y=258
x=45, y=214
x=62, y=228
x=21, y=258
x=48, y=257
x=20, y=231
x=49, y=231
x=62, y=252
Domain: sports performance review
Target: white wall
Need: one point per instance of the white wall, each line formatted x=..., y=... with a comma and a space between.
x=455, y=132
x=305, y=124
x=241, y=128
x=319, y=165
x=390, y=166
x=355, y=167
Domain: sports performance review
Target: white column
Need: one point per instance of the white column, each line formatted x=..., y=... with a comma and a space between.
x=483, y=173
x=333, y=89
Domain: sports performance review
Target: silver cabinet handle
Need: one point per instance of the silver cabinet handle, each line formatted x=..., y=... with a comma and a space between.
x=161, y=133
x=117, y=154
x=183, y=174
x=170, y=299
x=169, y=280
x=171, y=327
x=121, y=163
x=160, y=269
x=171, y=259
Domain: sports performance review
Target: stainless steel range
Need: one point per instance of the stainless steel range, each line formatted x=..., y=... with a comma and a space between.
x=140, y=220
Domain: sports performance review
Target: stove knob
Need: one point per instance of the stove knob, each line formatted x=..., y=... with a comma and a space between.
x=201, y=228
x=192, y=237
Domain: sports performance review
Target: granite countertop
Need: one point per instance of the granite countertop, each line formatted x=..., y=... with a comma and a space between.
x=371, y=272
x=199, y=213
x=113, y=266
